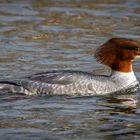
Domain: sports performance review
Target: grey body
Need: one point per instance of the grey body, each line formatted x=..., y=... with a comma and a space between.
x=70, y=83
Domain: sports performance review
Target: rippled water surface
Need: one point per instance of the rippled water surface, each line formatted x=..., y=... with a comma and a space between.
x=41, y=35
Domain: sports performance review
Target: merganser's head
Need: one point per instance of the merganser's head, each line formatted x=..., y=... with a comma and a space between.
x=118, y=53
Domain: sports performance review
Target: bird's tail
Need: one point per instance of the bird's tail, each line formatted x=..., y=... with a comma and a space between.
x=11, y=87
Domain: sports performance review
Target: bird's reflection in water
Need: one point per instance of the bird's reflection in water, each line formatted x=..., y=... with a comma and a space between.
x=121, y=117
x=125, y=98
x=124, y=101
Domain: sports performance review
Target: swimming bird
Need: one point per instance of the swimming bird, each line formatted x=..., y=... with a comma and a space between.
x=117, y=53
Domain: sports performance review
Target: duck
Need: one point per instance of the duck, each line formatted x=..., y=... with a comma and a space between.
x=116, y=53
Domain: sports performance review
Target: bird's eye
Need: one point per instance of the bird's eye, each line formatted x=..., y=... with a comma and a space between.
x=137, y=49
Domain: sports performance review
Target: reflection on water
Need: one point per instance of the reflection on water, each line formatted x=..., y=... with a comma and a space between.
x=40, y=35
x=68, y=118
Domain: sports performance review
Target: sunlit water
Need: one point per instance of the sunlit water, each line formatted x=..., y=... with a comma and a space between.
x=41, y=35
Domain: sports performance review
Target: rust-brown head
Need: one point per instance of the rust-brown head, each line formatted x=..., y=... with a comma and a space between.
x=118, y=53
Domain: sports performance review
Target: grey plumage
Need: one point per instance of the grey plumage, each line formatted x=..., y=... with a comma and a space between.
x=68, y=83
x=46, y=83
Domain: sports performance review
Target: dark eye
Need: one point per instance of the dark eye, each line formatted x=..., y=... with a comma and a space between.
x=137, y=49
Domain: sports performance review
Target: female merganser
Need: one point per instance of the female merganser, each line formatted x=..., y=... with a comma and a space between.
x=117, y=53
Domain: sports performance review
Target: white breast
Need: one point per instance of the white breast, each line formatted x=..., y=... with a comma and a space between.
x=116, y=81
x=124, y=78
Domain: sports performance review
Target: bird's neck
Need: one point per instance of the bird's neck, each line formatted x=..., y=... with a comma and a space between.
x=122, y=66
x=126, y=78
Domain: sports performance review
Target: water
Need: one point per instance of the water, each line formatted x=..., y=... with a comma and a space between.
x=40, y=35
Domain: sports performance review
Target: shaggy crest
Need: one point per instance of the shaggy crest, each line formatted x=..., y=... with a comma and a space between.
x=117, y=49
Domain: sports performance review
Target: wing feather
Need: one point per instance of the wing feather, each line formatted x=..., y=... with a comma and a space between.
x=55, y=77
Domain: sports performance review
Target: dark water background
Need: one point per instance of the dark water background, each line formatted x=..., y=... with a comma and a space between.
x=40, y=35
